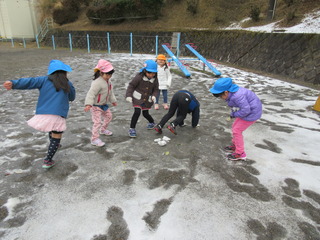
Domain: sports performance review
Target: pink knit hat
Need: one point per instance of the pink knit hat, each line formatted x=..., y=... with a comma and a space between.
x=103, y=66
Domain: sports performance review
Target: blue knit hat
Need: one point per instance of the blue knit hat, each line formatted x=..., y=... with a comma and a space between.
x=56, y=65
x=150, y=66
x=224, y=84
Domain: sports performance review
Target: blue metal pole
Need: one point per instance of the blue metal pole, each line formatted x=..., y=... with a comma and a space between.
x=177, y=61
x=130, y=44
x=156, y=45
x=37, y=40
x=178, y=45
x=108, y=39
x=12, y=43
x=24, y=43
x=53, y=43
x=70, y=42
x=88, y=42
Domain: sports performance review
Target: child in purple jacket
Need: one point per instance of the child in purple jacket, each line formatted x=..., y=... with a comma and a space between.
x=249, y=111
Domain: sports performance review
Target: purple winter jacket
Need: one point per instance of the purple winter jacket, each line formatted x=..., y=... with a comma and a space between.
x=250, y=106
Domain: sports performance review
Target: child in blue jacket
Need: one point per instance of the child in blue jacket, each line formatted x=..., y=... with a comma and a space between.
x=249, y=110
x=53, y=103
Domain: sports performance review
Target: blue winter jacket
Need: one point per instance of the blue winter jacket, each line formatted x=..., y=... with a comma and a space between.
x=250, y=106
x=50, y=101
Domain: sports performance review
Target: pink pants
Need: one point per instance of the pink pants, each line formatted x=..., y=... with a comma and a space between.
x=238, y=127
x=101, y=120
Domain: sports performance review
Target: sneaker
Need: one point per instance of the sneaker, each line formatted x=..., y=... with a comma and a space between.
x=97, y=142
x=237, y=156
x=165, y=106
x=132, y=132
x=158, y=128
x=172, y=128
x=230, y=148
x=156, y=106
x=150, y=126
x=182, y=124
x=106, y=132
x=48, y=164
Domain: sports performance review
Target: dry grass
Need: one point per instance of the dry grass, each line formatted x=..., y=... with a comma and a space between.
x=211, y=15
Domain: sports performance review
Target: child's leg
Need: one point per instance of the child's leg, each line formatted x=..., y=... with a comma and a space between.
x=238, y=127
x=157, y=97
x=135, y=117
x=146, y=114
x=107, y=117
x=55, y=138
x=165, y=96
x=96, y=113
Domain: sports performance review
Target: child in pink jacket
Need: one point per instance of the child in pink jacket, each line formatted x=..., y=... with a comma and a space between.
x=99, y=94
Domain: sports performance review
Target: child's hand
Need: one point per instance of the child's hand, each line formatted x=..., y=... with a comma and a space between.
x=153, y=98
x=7, y=85
x=87, y=108
x=129, y=99
x=114, y=104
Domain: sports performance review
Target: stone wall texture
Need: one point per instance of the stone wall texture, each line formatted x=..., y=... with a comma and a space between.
x=296, y=56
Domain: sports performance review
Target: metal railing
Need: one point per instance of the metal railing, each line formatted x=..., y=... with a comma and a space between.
x=44, y=28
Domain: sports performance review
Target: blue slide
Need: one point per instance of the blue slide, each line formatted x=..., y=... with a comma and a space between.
x=177, y=61
x=216, y=72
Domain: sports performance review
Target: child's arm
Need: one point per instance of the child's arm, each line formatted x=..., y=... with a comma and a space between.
x=92, y=93
x=26, y=83
x=72, y=93
x=169, y=77
x=244, y=108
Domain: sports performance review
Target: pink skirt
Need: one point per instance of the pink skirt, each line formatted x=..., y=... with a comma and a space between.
x=48, y=123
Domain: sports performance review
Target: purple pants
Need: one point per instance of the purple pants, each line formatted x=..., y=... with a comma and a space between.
x=238, y=127
x=101, y=120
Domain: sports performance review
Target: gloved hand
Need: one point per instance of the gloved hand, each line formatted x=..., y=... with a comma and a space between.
x=129, y=99
x=153, y=98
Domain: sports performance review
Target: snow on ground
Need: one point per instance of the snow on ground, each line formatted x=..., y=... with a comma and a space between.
x=185, y=190
x=310, y=24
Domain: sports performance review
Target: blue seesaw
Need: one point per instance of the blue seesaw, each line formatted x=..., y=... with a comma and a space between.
x=177, y=61
x=200, y=57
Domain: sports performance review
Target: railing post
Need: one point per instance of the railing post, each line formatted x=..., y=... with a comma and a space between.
x=37, y=40
x=178, y=45
x=12, y=43
x=70, y=42
x=88, y=42
x=156, y=45
x=53, y=43
x=108, y=40
x=130, y=44
x=24, y=43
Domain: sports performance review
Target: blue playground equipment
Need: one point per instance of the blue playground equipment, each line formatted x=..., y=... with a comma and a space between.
x=198, y=55
x=177, y=61
x=213, y=69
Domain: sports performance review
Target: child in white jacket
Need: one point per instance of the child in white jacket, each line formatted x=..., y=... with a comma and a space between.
x=99, y=94
x=164, y=78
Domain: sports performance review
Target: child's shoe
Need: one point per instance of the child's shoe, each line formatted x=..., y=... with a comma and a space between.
x=158, y=128
x=132, y=132
x=230, y=148
x=172, y=128
x=150, y=126
x=237, y=156
x=165, y=106
x=106, y=132
x=156, y=106
x=48, y=164
x=97, y=142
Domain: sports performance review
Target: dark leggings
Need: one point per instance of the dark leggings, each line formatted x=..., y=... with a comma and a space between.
x=136, y=115
x=180, y=104
x=53, y=145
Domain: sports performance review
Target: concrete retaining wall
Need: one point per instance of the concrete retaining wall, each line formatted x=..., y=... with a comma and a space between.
x=296, y=56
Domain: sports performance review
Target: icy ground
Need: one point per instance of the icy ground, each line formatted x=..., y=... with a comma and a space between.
x=135, y=189
x=310, y=24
